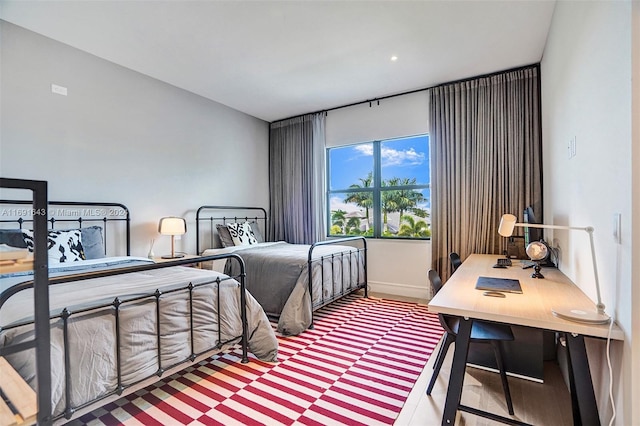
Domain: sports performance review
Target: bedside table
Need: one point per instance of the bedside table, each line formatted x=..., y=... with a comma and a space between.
x=186, y=256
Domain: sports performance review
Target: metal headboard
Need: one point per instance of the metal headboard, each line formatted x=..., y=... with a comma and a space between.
x=214, y=215
x=82, y=213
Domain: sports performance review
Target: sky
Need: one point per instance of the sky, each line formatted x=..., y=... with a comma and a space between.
x=403, y=158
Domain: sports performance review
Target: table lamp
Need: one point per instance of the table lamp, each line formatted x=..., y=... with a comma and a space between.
x=172, y=226
x=508, y=222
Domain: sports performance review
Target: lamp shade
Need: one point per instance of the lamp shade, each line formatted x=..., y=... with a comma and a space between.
x=172, y=226
x=507, y=224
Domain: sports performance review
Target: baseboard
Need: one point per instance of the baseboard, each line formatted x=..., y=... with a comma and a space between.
x=404, y=290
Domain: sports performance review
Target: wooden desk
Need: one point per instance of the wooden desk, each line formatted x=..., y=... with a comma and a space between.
x=532, y=308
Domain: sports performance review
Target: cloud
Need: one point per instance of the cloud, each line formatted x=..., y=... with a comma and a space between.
x=393, y=157
x=409, y=157
x=364, y=149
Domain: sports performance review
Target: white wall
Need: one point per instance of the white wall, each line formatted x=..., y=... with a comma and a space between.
x=634, y=377
x=586, y=93
x=395, y=267
x=121, y=136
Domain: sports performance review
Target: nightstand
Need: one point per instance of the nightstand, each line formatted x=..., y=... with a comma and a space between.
x=186, y=256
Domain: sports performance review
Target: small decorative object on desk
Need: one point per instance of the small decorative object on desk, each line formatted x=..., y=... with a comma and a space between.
x=537, y=251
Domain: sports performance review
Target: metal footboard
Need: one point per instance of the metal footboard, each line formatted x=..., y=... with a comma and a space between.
x=115, y=306
x=347, y=286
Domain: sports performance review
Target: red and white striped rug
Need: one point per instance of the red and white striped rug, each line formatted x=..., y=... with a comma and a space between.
x=356, y=367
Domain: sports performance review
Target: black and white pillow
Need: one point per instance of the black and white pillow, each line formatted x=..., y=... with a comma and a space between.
x=241, y=234
x=255, y=228
x=63, y=246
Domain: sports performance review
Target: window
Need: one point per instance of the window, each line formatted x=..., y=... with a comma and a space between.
x=380, y=189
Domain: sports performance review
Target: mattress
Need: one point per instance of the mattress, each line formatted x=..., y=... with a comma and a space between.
x=278, y=277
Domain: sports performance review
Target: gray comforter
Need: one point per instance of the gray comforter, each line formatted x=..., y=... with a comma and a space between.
x=92, y=334
x=277, y=276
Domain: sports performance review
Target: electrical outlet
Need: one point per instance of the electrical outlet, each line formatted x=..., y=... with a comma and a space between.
x=60, y=90
x=571, y=148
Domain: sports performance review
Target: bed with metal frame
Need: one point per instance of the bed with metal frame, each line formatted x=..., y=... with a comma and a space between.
x=327, y=270
x=210, y=301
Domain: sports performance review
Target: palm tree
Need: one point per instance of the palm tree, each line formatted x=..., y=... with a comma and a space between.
x=353, y=226
x=338, y=219
x=406, y=199
x=389, y=205
x=401, y=200
x=414, y=228
x=363, y=199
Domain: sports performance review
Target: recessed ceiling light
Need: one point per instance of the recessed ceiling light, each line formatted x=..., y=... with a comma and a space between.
x=394, y=58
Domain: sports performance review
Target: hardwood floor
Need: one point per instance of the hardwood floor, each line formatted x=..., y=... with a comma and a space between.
x=547, y=403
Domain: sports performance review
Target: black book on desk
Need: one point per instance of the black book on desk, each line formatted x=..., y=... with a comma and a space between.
x=498, y=284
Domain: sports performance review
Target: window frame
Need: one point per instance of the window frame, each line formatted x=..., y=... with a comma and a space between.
x=376, y=189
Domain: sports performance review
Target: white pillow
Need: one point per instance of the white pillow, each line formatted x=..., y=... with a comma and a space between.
x=64, y=246
x=241, y=234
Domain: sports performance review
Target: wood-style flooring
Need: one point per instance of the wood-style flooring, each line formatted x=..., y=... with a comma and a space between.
x=547, y=403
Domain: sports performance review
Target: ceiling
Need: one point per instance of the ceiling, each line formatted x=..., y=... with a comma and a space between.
x=276, y=59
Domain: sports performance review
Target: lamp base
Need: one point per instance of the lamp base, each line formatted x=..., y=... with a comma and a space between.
x=578, y=315
x=177, y=256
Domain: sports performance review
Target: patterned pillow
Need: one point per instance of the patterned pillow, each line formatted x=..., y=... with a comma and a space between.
x=255, y=228
x=241, y=234
x=63, y=246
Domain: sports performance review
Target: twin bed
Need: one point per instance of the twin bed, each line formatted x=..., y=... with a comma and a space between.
x=119, y=323
x=290, y=281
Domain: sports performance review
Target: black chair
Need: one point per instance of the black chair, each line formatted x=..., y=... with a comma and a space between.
x=455, y=261
x=481, y=332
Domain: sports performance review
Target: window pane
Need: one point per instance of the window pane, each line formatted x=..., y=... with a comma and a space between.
x=349, y=214
x=405, y=213
x=405, y=161
x=351, y=165
x=398, y=179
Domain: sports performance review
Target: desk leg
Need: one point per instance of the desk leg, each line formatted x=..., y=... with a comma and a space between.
x=456, y=379
x=581, y=383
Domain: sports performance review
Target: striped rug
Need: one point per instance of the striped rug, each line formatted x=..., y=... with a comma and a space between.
x=356, y=367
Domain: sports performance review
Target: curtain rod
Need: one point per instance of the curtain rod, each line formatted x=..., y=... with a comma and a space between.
x=369, y=101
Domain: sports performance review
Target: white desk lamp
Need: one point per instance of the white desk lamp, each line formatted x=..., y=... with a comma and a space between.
x=172, y=226
x=508, y=222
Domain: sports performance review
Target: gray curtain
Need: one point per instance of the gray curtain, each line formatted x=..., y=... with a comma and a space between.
x=296, y=179
x=486, y=153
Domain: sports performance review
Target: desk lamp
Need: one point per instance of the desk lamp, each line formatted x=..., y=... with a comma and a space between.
x=508, y=223
x=172, y=226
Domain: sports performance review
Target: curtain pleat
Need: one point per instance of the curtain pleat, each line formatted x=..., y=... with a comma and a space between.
x=486, y=150
x=296, y=179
